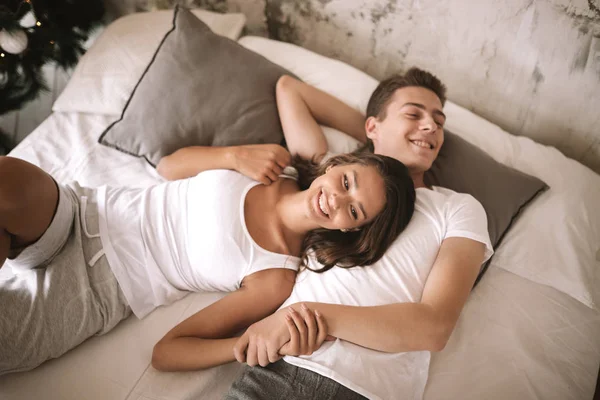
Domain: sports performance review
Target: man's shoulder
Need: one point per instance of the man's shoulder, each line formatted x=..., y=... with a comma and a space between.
x=447, y=202
x=441, y=195
x=444, y=191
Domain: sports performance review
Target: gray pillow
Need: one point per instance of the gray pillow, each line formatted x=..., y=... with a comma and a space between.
x=199, y=89
x=503, y=191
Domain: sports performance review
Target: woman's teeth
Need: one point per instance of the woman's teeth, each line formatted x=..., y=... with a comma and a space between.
x=321, y=205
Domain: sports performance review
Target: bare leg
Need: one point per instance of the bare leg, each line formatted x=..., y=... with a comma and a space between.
x=28, y=200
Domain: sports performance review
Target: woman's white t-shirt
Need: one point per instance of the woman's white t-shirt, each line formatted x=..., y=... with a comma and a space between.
x=398, y=277
x=183, y=236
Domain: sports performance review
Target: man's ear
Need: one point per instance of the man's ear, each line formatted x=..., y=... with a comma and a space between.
x=371, y=127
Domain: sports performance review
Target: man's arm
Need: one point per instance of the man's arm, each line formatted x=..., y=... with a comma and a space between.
x=426, y=325
x=303, y=107
x=398, y=327
x=261, y=162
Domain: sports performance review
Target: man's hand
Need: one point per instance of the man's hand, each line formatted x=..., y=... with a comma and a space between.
x=308, y=331
x=261, y=162
x=262, y=340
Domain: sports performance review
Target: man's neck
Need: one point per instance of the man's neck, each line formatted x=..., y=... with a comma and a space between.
x=418, y=180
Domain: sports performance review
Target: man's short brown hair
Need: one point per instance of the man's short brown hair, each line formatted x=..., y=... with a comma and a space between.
x=380, y=98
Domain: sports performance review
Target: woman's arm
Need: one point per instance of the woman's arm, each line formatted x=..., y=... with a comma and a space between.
x=261, y=162
x=206, y=338
x=398, y=327
x=303, y=107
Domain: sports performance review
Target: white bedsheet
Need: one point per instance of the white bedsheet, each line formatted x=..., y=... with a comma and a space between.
x=515, y=339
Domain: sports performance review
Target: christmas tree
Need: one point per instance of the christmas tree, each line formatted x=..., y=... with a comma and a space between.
x=35, y=32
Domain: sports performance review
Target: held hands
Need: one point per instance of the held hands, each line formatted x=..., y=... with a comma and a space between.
x=261, y=162
x=260, y=344
x=286, y=332
x=308, y=331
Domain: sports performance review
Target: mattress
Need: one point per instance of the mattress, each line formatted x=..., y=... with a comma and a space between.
x=515, y=339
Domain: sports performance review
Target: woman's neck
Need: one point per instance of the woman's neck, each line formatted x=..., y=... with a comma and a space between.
x=291, y=209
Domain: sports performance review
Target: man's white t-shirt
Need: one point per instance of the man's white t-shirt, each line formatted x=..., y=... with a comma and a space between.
x=398, y=277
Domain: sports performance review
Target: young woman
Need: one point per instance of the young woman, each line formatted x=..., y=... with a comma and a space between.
x=89, y=257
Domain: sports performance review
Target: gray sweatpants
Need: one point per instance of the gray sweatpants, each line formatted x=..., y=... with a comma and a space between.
x=281, y=380
x=63, y=290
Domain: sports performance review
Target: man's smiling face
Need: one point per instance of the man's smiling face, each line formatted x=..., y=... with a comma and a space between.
x=410, y=129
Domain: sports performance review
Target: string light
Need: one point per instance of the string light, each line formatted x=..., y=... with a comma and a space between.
x=38, y=23
x=2, y=55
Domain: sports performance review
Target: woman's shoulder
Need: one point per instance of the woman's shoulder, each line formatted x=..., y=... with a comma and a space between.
x=219, y=176
x=279, y=280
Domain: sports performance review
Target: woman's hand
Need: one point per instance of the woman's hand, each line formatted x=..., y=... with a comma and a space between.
x=261, y=162
x=260, y=344
x=286, y=332
x=308, y=331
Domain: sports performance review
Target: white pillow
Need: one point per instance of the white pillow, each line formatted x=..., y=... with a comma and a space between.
x=107, y=73
x=555, y=241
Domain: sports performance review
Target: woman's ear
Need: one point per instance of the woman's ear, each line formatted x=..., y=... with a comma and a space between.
x=371, y=128
x=328, y=168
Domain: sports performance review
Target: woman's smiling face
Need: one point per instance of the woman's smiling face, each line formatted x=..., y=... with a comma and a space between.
x=345, y=197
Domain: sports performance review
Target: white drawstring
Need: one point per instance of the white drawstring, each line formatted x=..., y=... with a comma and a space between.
x=96, y=257
x=83, y=210
x=100, y=253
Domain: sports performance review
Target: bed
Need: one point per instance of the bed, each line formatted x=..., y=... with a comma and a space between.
x=530, y=329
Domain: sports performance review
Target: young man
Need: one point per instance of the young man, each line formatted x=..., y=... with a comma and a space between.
x=389, y=317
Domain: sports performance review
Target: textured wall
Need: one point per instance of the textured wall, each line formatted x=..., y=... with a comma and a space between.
x=530, y=66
